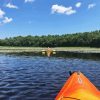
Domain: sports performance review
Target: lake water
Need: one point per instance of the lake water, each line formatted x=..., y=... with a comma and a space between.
x=41, y=78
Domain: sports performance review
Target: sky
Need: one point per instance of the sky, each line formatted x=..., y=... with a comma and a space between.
x=43, y=17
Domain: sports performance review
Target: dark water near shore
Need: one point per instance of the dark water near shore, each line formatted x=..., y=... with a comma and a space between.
x=27, y=77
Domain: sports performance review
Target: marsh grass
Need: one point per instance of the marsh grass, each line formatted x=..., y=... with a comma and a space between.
x=5, y=49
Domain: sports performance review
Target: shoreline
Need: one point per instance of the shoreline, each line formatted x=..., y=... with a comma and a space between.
x=57, y=49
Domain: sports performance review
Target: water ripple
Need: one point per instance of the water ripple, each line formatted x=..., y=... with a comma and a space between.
x=40, y=78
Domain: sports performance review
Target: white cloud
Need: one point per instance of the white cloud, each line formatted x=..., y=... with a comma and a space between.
x=26, y=1
x=4, y=19
x=78, y=4
x=7, y=20
x=92, y=5
x=63, y=10
x=9, y=5
x=2, y=13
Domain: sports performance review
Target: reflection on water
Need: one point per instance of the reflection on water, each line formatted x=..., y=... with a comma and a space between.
x=63, y=54
x=27, y=77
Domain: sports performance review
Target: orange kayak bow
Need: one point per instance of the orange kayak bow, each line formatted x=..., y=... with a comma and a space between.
x=78, y=87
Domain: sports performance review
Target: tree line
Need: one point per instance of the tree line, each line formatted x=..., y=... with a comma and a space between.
x=85, y=39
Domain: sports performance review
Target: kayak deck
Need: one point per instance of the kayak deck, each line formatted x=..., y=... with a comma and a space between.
x=78, y=87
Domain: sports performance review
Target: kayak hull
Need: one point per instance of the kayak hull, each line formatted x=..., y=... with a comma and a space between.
x=78, y=87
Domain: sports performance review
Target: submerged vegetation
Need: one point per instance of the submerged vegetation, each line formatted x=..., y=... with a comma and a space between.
x=86, y=39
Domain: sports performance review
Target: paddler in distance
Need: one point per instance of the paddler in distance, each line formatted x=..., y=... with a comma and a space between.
x=48, y=51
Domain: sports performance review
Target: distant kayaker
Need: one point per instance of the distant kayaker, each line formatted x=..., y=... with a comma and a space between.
x=49, y=51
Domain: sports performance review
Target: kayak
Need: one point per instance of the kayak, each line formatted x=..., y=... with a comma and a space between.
x=78, y=87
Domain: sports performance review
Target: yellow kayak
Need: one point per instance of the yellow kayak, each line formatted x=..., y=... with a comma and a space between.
x=78, y=87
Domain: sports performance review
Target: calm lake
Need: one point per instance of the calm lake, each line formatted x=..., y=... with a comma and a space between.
x=29, y=77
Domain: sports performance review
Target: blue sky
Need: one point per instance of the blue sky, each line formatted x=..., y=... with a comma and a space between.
x=43, y=17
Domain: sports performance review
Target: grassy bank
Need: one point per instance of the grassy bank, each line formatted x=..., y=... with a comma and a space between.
x=39, y=49
x=79, y=49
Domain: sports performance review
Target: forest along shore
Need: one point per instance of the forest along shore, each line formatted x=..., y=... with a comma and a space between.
x=4, y=49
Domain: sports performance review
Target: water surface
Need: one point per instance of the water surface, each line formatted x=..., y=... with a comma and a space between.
x=41, y=78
